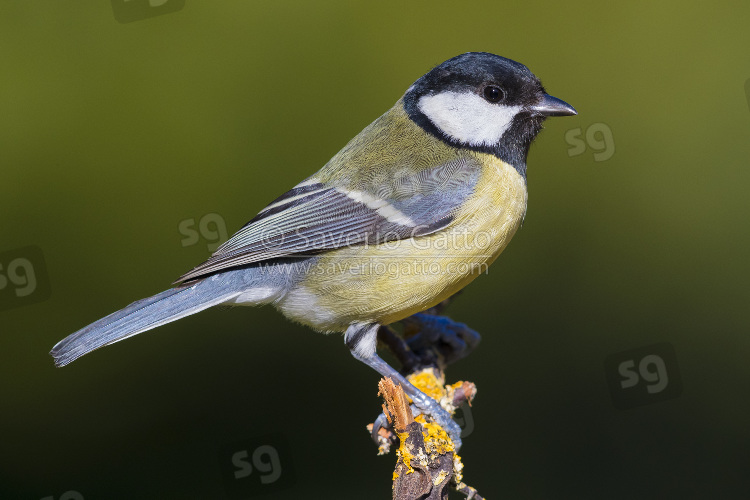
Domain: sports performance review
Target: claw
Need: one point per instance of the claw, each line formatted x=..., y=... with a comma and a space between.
x=382, y=432
x=430, y=407
x=384, y=423
x=380, y=423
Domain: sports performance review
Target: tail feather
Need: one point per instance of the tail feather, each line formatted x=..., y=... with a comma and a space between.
x=141, y=316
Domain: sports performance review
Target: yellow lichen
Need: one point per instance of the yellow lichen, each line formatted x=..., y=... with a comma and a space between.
x=436, y=440
x=403, y=453
x=455, y=386
x=427, y=382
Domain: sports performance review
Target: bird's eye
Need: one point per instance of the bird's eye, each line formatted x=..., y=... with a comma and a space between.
x=493, y=94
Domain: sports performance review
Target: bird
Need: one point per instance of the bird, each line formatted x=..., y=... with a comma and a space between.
x=408, y=213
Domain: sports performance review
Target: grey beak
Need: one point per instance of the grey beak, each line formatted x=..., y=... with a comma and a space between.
x=552, y=106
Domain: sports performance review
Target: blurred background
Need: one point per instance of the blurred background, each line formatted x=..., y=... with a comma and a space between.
x=136, y=136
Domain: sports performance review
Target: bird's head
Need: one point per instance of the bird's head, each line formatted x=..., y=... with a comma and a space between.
x=483, y=102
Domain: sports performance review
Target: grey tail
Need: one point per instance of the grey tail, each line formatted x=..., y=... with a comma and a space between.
x=143, y=315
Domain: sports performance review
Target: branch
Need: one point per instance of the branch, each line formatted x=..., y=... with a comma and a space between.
x=427, y=466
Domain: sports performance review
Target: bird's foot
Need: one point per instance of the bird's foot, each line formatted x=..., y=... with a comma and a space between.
x=435, y=412
x=382, y=431
x=438, y=339
x=431, y=398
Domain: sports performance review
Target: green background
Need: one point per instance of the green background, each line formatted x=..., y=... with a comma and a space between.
x=112, y=134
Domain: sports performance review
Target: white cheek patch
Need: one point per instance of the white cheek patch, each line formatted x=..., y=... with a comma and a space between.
x=467, y=117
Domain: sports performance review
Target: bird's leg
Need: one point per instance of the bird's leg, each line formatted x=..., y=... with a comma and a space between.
x=433, y=341
x=400, y=349
x=409, y=362
x=361, y=339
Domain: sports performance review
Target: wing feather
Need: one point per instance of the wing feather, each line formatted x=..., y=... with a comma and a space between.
x=314, y=216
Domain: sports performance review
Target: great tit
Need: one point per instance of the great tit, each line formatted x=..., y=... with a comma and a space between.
x=409, y=212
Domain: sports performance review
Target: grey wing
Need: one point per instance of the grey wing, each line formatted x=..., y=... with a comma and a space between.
x=315, y=216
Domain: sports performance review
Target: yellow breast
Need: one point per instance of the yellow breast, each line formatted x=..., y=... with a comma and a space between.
x=387, y=282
